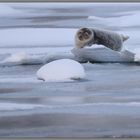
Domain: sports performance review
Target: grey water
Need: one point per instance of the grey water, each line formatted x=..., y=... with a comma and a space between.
x=104, y=104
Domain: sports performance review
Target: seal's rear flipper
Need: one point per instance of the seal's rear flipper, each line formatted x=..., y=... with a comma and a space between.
x=125, y=37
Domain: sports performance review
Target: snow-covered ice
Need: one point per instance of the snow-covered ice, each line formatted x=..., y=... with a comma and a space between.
x=102, y=54
x=61, y=70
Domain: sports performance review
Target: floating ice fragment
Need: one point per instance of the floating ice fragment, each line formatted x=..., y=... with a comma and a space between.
x=17, y=57
x=61, y=70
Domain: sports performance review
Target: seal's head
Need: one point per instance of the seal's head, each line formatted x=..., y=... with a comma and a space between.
x=83, y=37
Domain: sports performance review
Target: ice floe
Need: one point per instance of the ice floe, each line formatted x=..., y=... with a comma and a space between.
x=61, y=70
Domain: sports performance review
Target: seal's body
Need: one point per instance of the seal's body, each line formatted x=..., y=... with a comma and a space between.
x=89, y=36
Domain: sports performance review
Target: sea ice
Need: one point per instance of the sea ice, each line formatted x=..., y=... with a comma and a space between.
x=17, y=57
x=102, y=54
x=21, y=58
x=61, y=70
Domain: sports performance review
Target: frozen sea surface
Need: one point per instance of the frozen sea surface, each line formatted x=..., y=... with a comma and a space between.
x=104, y=104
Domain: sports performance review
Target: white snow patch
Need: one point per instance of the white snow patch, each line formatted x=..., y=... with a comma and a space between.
x=61, y=70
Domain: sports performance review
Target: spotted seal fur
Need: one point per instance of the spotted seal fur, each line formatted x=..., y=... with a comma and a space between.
x=89, y=36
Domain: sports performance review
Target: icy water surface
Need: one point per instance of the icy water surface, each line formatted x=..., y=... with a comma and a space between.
x=104, y=104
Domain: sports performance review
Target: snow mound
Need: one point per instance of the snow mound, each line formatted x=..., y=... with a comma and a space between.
x=61, y=70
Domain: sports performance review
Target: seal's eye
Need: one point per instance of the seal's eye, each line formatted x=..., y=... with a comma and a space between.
x=80, y=32
x=86, y=35
x=80, y=37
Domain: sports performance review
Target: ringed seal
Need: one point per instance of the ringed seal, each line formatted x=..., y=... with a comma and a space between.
x=89, y=36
